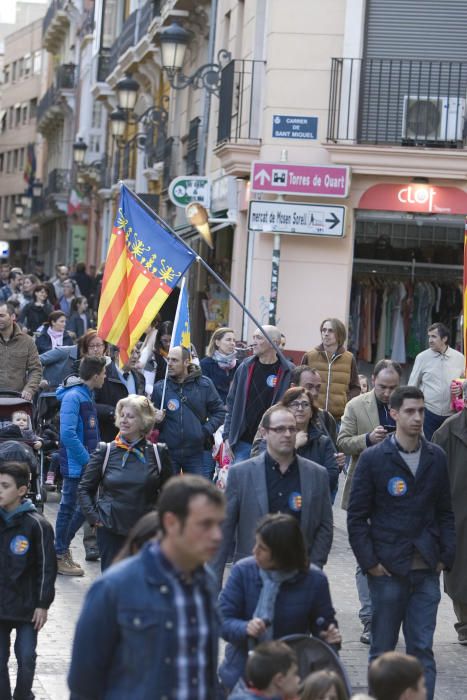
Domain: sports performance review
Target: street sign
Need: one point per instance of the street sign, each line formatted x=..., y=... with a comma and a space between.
x=184, y=190
x=297, y=218
x=284, y=178
x=4, y=249
x=285, y=126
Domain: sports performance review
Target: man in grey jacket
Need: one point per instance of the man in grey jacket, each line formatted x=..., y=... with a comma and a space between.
x=276, y=481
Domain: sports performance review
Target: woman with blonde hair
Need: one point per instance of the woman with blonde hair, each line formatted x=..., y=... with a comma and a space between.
x=221, y=361
x=123, y=479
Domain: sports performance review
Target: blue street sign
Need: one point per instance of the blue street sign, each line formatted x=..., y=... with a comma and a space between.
x=285, y=126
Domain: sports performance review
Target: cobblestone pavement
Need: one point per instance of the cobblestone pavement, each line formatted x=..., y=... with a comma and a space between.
x=55, y=640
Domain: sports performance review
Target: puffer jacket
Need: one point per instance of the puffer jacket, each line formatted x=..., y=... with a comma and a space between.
x=79, y=429
x=119, y=497
x=339, y=376
x=28, y=564
x=194, y=411
x=20, y=367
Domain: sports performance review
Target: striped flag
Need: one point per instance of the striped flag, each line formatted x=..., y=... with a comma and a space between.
x=181, y=331
x=29, y=173
x=144, y=263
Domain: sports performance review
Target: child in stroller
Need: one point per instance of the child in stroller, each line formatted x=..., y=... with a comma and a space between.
x=13, y=406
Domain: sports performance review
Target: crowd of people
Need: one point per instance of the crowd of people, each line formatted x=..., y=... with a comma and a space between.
x=176, y=466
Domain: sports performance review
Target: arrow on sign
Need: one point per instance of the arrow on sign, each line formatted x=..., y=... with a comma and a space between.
x=334, y=221
x=262, y=176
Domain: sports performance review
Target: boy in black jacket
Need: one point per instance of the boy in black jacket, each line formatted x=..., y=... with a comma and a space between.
x=28, y=568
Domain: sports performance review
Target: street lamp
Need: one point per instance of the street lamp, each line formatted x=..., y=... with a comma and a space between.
x=127, y=91
x=118, y=123
x=79, y=151
x=173, y=42
x=36, y=188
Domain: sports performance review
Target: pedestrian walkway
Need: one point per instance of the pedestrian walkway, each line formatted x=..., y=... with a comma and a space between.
x=55, y=640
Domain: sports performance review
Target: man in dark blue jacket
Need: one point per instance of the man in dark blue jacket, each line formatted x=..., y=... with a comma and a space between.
x=401, y=529
x=189, y=412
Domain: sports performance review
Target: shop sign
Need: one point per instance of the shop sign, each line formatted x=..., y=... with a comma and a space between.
x=4, y=249
x=184, y=190
x=284, y=178
x=419, y=198
x=285, y=126
x=224, y=194
x=297, y=218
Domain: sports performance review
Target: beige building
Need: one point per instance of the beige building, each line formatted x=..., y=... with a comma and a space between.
x=18, y=136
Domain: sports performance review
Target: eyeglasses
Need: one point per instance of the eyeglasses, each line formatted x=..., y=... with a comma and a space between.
x=283, y=429
x=300, y=404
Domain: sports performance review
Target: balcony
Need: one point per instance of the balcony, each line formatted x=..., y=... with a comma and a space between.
x=133, y=31
x=55, y=26
x=57, y=190
x=58, y=98
x=238, y=129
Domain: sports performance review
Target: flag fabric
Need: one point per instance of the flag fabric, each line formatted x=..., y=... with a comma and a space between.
x=144, y=263
x=181, y=331
x=29, y=174
x=464, y=321
x=74, y=202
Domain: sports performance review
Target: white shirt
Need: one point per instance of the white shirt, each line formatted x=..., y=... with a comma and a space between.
x=433, y=373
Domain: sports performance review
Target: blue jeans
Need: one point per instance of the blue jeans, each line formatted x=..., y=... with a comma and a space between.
x=69, y=516
x=242, y=451
x=431, y=423
x=193, y=465
x=25, y=652
x=364, y=596
x=411, y=601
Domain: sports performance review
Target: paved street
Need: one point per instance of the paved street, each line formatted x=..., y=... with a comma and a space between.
x=55, y=640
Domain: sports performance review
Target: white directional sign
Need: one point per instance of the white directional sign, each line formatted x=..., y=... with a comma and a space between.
x=297, y=218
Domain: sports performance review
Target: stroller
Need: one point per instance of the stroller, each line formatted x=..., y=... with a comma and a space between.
x=315, y=655
x=11, y=401
x=48, y=426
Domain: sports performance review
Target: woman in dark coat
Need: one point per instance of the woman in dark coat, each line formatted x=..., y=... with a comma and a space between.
x=123, y=479
x=54, y=334
x=272, y=594
x=221, y=362
x=37, y=312
x=79, y=321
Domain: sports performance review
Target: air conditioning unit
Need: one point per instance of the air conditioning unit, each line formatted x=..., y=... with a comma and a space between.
x=433, y=118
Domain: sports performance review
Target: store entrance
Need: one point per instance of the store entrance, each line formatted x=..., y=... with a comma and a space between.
x=407, y=274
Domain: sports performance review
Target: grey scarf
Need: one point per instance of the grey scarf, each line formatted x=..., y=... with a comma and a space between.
x=272, y=581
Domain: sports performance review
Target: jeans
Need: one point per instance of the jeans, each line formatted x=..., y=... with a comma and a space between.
x=242, y=451
x=411, y=601
x=431, y=423
x=69, y=516
x=193, y=465
x=364, y=596
x=110, y=543
x=25, y=652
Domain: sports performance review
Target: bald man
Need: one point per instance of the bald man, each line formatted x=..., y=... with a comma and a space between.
x=259, y=382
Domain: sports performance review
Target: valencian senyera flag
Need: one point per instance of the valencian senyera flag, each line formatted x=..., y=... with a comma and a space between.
x=181, y=331
x=145, y=261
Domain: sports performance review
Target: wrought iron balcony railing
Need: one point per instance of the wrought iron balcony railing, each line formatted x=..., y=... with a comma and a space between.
x=397, y=102
x=240, y=102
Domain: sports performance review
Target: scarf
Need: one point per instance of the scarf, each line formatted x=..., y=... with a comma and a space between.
x=225, y=361
x=56, y=337
x=130, y=447
x=272, y=581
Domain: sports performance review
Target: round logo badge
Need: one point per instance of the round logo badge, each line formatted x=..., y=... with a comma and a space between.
x=271, y=381
x=295, y=501
x=19, y=545
x=397, y=486
x=173, y=404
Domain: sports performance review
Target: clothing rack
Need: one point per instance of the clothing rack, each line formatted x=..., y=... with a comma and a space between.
x=432, y=271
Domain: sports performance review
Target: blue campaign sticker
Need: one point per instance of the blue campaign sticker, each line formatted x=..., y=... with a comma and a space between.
x=19, y=545
x=173, y=404
x=397, y=486
x=295, y=501
x=271, y=381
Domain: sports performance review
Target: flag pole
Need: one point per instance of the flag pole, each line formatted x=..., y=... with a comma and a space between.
x=175, y=325
x=209, y=269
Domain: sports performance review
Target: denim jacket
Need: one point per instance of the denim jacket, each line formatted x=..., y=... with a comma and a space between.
x=125, y=641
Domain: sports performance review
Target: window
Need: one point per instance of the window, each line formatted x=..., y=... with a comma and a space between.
x=24, y=111
x=32, y=108
x=6, y=74
x=20, y=68
x=21, y=159
x=17, y=115
x=3, y=121
x=8, y=161
x=27, y=65
x=96, y=118
x=37, y=62
x=2, y=158
x=11, y=115
x=94, y=143
x=13, y=71
x=15, y=160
